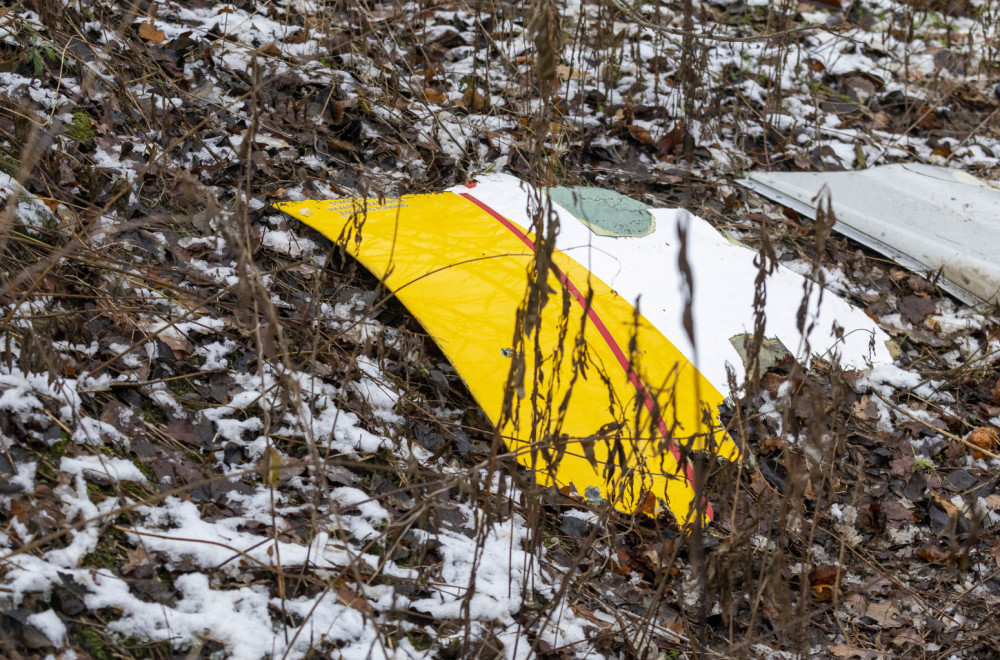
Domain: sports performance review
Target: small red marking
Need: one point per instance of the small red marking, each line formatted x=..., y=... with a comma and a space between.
x=471, y=184
x=595, y=318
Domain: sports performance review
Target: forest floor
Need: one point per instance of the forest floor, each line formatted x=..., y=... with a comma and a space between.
x=215, y=443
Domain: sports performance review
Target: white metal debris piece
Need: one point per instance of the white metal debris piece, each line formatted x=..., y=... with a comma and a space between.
x=926, y=218
x=644, y=268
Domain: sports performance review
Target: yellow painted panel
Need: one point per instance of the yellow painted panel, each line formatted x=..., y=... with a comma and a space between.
x=587, y=417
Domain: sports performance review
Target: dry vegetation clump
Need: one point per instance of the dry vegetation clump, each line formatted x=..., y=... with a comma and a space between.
x=222, y=438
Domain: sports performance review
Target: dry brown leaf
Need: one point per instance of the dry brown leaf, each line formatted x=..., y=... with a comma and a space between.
x=174, y=339
x=431, y=95
x=772, y=444
x=885, y=614
x=383, y=14
x=908, y=636
x=649, y=505
x=865, y=408
x=926, y=119
x=933, y=555
x=177, y=341
x=299, y=37
x=848, y=651
x=854, y=604
x=772, y=382
x=184, y=432
x=822, y=592
x=676, y=625
x=565, y=72
x=149, y=32
x=433, y=70
x=340, y=145
x=985, y=438
x=950, y=509
x=622, y=564
x=916, y=308
x=823, y=574
x=815, y=65
x=338, y=107
x=672, y=141
x=658, y=554
x=270, y=49
x=473, y=100
x=896, y=515
x=591, y=616
x=639, y=134
x=351, y=598
x=772, y=608
x=17, y=511
x=138, y=563
x=902, y=466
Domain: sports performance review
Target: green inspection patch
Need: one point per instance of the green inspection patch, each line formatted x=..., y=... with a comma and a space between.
x=605, y=212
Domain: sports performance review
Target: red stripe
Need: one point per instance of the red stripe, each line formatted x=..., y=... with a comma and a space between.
x=605, y=333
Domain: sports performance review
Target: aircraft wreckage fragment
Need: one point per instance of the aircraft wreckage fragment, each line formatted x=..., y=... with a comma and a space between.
x=613, y=394
x=929, y=219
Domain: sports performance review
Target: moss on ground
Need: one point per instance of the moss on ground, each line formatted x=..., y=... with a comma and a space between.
x=9, y=165
x=86, y=637
x=108, y=552
x=80, y=128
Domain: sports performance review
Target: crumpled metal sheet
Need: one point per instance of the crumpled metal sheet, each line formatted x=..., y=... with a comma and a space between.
x=929, y=219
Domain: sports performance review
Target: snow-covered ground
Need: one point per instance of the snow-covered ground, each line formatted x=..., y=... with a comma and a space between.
x=219, y=437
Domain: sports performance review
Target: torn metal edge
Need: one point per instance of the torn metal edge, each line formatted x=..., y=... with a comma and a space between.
x=901, y=258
